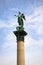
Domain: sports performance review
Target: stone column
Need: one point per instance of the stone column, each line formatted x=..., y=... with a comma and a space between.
x=20, y=53
x=20, y=47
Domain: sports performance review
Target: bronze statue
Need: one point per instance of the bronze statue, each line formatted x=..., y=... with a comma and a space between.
x=20, y=20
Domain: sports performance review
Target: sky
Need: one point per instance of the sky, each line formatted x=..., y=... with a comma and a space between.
x=33, y=44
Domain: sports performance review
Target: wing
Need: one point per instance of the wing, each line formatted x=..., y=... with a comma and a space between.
x=23, y=17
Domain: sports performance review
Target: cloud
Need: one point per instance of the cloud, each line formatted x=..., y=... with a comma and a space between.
x=10, y=42
x=37, y=12
x=32, y=42
x=14, y=9
x=35, y=21
x=3, y=24
x=10, y=23
x=37, y=15
x=33, y=51
x=8, y=60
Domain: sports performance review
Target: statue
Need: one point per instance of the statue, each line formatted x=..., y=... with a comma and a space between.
x=20, y=21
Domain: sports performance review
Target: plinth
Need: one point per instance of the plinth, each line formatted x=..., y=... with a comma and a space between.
x=20, y=46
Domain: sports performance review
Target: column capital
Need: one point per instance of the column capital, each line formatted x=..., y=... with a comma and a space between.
x=20, y=35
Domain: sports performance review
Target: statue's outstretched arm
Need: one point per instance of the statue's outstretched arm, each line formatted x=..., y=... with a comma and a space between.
x=16, y=15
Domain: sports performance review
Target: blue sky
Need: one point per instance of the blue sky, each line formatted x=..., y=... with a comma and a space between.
x=33, y=45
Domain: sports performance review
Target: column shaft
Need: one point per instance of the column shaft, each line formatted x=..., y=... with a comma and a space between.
x=20, y=53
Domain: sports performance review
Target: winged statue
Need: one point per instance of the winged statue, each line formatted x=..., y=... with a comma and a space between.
x=20, y=17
